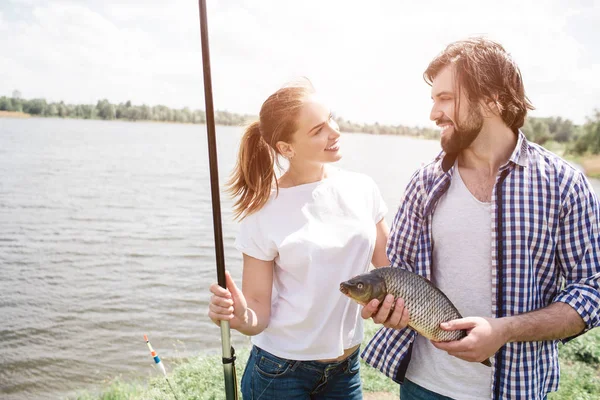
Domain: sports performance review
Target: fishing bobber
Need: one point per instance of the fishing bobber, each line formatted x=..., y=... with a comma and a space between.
x=157, y=361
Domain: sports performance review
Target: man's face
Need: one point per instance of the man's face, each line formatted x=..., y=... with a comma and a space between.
x=459, y=127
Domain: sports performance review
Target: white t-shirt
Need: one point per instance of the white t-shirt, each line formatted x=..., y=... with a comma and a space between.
x=318, y=234
x=462, y=260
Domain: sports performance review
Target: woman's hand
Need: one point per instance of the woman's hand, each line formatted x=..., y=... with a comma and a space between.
x=228, y=304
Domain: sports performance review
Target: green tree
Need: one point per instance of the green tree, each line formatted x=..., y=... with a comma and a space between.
x=146, y=113
x=63, y=111
x=87, y=111
x=199, y=117
x=5, y=104
x=135, y=114
x=536, y=130
x=105, y=110
x=17, y=104
x=561, y=130
x=589, y=140
x=51, y=110
x=35, y=106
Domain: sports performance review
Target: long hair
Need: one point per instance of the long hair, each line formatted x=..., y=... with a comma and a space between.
x=254, y=174
x=486, y=72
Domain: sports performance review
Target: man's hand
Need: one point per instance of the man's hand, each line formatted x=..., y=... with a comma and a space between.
x=391, y=317
x=484, y=337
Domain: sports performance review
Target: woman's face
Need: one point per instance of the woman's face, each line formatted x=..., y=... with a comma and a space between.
x=317, y=137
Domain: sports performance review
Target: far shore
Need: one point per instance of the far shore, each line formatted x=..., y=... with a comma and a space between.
x=14, y=114
x=590, y=164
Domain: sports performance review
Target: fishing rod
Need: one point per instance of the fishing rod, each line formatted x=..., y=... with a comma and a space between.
x=159, y=364
x=228, y=351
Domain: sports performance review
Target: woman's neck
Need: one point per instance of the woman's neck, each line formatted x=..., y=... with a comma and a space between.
x=296, y=175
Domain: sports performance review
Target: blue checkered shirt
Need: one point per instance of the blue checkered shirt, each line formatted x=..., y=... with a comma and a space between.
x=545, y=233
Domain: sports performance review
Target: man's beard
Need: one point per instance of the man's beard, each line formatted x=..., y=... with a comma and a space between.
x=463, y=134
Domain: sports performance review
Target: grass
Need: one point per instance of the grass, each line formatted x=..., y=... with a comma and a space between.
x=201, y=378
x=580, y=368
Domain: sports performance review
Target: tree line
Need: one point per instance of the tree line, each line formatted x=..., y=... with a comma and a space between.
x=577, y=139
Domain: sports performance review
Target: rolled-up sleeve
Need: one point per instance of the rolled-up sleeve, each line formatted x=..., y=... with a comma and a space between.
x=252, y=241
x=578, y=253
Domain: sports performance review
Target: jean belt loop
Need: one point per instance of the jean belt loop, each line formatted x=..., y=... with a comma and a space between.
x=350, y=360
x=295, y=364
x=347, y=363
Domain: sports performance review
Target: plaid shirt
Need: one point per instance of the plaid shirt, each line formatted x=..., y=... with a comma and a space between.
x=545, y=233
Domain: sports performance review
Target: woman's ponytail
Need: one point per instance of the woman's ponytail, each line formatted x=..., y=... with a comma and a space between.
x=253, y=175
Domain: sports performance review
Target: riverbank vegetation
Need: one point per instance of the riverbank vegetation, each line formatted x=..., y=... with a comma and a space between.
x=201, y=378
x=577, y=142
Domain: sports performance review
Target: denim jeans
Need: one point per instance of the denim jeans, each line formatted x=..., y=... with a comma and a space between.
x=269, y=377
x=411, y=391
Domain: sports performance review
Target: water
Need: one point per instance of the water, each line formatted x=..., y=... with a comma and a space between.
x=106, y=234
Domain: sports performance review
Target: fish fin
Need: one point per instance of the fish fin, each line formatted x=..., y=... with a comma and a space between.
x=487, y=363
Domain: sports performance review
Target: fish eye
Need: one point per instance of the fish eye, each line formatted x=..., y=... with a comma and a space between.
x=360, y=286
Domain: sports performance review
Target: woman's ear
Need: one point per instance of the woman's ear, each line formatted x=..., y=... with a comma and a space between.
x=285, y=149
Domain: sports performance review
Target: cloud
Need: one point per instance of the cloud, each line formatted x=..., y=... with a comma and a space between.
x=367, y=59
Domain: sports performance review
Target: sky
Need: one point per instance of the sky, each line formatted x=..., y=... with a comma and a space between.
x=366, y=58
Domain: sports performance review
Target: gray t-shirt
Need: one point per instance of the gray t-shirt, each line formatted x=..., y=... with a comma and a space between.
x=462, y=260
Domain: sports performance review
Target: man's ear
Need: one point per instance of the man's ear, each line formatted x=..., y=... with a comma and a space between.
x=285, y=149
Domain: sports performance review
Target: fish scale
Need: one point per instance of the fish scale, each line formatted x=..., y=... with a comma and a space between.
x=428, y=306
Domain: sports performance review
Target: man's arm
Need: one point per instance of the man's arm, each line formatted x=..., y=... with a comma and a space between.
x=578, y=252
x=557, y=321
x=487, y=335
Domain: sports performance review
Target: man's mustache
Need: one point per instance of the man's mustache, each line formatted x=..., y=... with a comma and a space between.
x=443, y=122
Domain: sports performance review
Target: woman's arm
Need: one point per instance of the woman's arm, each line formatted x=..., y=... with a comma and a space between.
x=248, y=310
x=380, y=258
x=257, y=285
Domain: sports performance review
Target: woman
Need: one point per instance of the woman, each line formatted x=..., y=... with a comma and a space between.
x=300, y=235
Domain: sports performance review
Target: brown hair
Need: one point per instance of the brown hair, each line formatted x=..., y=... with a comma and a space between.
x=254, y=174
x=487, y=72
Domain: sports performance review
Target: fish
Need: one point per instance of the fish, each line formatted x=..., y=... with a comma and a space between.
x=428, y=306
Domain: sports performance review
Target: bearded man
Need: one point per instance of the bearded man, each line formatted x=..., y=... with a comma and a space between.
x=508, y=230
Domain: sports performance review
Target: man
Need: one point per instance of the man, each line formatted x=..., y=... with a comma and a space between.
x=508, y=230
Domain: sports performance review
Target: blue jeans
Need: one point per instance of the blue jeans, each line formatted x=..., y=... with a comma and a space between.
x=269, y=377
x=411, y=391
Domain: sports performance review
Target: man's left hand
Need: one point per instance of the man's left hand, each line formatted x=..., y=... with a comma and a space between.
x=484, y=337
